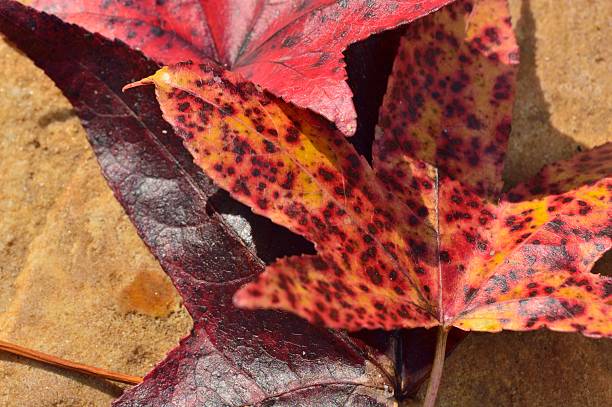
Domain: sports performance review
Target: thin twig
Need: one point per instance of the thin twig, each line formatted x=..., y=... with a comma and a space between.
x=66, y=364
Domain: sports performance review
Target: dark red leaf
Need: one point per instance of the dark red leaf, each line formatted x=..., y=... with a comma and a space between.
x=233, y=356
x=292, y=48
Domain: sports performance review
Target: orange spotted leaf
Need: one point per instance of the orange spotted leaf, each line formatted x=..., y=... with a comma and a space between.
x=520, y=262
x=423, y=238
x=451, y=94
x=295, y=168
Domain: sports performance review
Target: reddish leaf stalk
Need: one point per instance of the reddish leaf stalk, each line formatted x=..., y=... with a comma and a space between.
x=436, y=369
x=67, y=364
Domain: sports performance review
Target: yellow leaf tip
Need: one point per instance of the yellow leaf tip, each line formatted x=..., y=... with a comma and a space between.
x=158, y=78
x=142, y=82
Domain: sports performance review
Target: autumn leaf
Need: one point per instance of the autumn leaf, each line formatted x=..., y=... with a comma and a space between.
x=450, y=97
x=292, y=48
x=291, y=166
x=502, y=264
x=415, y=246
x=195, y=232
x=424, y=239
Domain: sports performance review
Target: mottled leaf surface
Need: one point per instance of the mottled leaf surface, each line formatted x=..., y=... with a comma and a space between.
x=518, y=263
x=292, y=47
x=411, y=243
x=233, y=357
x=451, y=93
x=293, y=167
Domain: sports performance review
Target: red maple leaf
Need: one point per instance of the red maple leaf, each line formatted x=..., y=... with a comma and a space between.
x=292, y=48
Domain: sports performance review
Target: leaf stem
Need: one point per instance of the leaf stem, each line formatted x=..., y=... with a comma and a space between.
x=436, y=370
x=66, y=364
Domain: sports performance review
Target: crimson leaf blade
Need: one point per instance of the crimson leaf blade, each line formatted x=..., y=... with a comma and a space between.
x=293, y=48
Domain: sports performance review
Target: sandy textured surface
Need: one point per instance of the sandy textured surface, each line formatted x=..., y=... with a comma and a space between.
x=76, y=281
